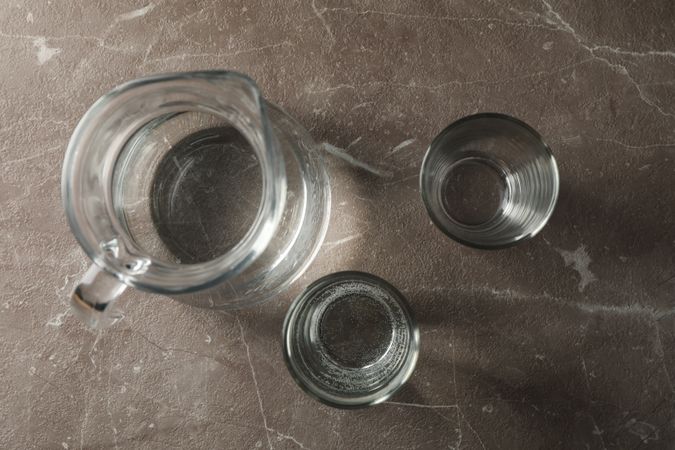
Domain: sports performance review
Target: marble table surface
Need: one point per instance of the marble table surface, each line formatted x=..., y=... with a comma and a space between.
x=565, y=341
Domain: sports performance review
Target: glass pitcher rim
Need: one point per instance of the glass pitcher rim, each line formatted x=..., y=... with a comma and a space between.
x=160, y=276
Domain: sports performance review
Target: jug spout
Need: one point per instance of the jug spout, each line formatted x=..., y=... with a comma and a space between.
x=93, y=299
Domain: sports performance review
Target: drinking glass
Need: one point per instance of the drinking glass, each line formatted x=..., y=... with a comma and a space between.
x=489, y=181
x=350, y=340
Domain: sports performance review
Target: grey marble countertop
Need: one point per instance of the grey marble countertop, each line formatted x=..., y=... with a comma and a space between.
x=565, y=341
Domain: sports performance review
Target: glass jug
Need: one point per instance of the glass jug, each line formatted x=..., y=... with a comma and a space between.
x=193, y=186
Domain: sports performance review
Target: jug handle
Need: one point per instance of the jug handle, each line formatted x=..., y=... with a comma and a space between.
x=93, y=298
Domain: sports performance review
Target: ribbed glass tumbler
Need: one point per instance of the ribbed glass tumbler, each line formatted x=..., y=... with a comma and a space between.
x=489, y=181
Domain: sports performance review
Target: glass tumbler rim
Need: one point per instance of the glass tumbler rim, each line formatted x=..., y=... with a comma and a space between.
x=435, y=146
x=163, y=277
x=397, y=380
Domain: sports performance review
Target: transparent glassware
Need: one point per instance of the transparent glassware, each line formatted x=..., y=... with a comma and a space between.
x=193, y=186
x=489, y=181
x=350, y=340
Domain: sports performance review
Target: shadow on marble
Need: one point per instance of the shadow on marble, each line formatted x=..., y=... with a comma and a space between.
x=545, y=362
